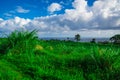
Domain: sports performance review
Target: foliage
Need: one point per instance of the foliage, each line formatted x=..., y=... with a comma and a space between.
x=77, y=37
x=18, y=38
x=115, y=38
x=93, y=40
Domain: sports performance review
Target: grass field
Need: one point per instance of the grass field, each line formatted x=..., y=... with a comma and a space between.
x=24, y=57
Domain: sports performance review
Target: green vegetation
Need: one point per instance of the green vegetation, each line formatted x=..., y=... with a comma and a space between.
x=115, y=38
x=24, y=57
x=93, y=40
x=77, y=37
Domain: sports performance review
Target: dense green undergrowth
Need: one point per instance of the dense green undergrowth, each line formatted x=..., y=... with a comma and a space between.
x=24, y=57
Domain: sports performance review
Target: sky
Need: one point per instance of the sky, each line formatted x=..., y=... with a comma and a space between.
x=61, y=18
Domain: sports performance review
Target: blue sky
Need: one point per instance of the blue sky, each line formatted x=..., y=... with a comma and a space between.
x=61, y=18
x=37, y=7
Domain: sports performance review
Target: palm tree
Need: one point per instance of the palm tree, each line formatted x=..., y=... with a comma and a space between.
x=115, y=38
x=77, y=37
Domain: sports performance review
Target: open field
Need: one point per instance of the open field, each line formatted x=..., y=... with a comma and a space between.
x=24, y=57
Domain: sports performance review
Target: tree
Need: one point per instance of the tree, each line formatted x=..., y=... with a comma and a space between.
x=77, y=37
x=115, y=38
x=68, y=38
x=93, y=40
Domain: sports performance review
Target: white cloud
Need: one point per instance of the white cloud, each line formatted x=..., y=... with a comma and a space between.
x=7, y=14
x=107, y=13
x=80, y=11
x=11, y=14
x=54, y=7
x=7, y=26
x=104, y=14
x=22, y=10
x=1, y=19
x=102, y=19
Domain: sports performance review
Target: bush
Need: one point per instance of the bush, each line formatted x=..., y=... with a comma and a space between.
x=18, y=38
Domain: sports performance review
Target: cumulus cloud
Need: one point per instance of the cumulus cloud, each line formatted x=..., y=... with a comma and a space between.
x=22, y=10
x=80, y=11
x=54, y=7
x=102, y=19
x=10, y=25
x=107, y=13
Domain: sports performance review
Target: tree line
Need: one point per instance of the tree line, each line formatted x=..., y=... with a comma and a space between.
x=113, y=39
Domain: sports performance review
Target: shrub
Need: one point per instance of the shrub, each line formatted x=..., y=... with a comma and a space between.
x=21, y=38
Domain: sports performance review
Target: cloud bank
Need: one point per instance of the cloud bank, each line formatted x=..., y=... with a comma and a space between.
x=102, y=19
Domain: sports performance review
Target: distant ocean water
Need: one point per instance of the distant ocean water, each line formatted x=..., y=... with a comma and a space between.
x=72, y=39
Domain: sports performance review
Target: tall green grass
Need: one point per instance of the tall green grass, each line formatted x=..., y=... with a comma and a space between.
x=18, y=39
x=24, y=57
